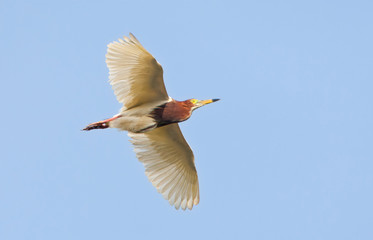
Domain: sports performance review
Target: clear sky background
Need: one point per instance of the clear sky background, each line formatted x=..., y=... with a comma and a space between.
x=286, y=154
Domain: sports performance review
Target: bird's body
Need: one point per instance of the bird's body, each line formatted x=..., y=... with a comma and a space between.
x=147, y=117
x=150, y=116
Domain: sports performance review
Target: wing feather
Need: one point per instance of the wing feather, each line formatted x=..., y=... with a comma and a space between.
x=169, y=164
x=136, y=77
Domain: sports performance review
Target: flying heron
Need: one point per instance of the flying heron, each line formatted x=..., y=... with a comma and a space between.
x=151, y=118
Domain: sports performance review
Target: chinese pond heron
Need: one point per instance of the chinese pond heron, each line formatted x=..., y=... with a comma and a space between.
x=151, y=118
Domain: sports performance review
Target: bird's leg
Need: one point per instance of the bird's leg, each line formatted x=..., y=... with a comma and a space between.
x=101, y=124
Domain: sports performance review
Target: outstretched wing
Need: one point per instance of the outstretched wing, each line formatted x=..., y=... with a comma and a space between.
x=135, y=75
x=169, y=164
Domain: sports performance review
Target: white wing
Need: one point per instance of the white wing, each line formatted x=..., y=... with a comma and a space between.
x=135, y=75
x=169, y=164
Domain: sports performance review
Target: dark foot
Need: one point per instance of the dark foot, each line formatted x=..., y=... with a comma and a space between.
x=96, y=125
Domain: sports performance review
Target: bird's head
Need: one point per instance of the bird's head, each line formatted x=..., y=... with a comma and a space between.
x=199, y=103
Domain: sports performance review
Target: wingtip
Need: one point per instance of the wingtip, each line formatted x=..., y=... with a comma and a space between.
x=133, y=38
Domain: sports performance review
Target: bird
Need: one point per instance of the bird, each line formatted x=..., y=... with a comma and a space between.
x=151, y=117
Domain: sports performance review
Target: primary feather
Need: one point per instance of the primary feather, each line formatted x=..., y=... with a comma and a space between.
x=135, y=75
x=169, y=164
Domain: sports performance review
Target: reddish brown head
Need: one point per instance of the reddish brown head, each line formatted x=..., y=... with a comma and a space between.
x=178, y=111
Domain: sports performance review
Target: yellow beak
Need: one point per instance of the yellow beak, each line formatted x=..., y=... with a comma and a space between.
x=204, y=102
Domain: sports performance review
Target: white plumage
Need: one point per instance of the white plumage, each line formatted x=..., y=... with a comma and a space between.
x=135, y=75
x=169, y=164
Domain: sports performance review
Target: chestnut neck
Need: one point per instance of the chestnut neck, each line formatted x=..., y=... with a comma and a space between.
x=172, y=112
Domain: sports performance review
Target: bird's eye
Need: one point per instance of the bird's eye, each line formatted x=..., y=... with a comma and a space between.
x=194, y=101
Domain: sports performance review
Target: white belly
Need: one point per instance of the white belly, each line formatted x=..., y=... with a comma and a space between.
x=134, y=124
x=136, y=119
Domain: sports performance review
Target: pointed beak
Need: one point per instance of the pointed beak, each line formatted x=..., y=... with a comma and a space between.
x=204, y=102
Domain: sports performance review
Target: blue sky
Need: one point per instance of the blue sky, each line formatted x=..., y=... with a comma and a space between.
x=286, y=154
